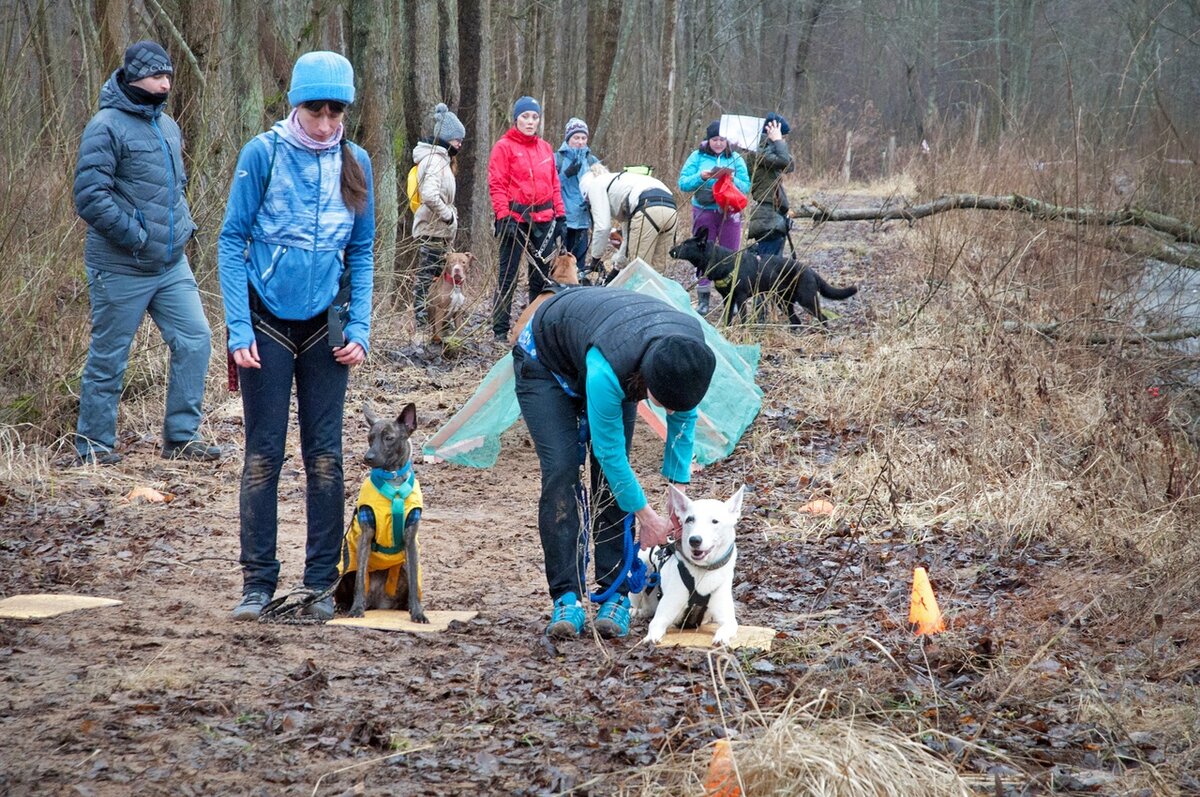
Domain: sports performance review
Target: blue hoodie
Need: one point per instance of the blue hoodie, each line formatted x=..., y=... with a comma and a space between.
x=702, y=160
x=292, y=244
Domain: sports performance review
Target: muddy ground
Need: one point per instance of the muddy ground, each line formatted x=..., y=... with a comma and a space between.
x=164, y=695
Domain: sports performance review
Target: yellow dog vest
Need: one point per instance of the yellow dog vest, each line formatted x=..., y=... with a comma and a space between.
x=387, y=549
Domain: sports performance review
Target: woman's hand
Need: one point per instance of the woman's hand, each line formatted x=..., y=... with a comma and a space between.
x=350, y=354
x=247, y=358
x=774, y=131
x=706, y=174
x=653, y=529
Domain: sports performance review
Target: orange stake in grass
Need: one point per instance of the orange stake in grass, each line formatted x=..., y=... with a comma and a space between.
x=721, y=780
x=923, y=610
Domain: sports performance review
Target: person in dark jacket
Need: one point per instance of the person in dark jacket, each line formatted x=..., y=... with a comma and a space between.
x=768, y=164
x=585, y=360
x=129, y=188
x=528, y=207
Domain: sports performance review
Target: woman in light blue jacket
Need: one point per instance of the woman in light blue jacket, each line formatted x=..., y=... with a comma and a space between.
x=698, y=176
x=296, y=264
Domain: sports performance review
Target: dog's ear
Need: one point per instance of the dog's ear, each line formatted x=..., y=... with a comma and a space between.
x=734, y=504
x=369, y=414
x=677, y=503
x=408, y=417
x=702, y=235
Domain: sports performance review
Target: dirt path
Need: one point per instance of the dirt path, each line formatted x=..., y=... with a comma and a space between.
x=163, y=695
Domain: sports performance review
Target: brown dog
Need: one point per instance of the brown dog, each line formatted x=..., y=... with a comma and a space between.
x=562, y=272
x=446, y=299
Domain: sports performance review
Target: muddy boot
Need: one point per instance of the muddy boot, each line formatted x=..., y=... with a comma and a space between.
x=703, y=292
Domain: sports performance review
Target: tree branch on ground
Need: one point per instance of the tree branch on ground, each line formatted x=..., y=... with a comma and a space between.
x=1127, y=217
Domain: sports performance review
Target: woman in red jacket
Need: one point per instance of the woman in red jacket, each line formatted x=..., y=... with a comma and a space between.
x=526, y=199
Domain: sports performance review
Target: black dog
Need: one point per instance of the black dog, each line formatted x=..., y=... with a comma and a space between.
x=740, y=276
x=381, y=545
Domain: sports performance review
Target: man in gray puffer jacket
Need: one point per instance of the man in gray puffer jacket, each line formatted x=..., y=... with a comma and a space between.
x=129, y=188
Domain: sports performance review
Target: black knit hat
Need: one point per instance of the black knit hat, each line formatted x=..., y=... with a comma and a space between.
x=677, y=371
x=714, y=130
x=145, y=59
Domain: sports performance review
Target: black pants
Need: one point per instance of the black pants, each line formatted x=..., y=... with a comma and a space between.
x=516, y=242
x=553, y=421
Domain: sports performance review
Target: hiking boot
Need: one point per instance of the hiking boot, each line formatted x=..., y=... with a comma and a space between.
x=566, y=620
x=94, y=457
x=195, y=450
x=251, y=605
x=322, y=609
x=613, y=618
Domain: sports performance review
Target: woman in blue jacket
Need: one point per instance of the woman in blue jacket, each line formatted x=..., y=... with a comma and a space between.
x=572, y=161
x=297, y=238
x=699, y=175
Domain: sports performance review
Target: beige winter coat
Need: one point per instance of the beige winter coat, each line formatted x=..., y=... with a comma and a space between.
x=437, y=217
x=612, y=198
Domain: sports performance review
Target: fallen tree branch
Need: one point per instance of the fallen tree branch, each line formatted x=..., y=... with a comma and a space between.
x=1127, y=217
x=1051, y=330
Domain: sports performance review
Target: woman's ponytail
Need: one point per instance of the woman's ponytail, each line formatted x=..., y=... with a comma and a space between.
x=354, y=180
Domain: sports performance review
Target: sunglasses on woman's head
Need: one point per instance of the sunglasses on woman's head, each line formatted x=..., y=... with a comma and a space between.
x=316, y=106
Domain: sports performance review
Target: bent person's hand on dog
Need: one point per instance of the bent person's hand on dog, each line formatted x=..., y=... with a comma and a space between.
x=584, y=361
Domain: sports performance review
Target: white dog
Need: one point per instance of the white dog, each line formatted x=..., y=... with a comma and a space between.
x=697, y=581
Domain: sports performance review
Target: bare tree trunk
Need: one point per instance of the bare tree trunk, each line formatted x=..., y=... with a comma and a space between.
x=628, y=17
x=475, y=36
x=112, y=20
x=669, y=65
x=51, y=95
x=371, y=46
x=246, y=70
x=449, y=54
x=601, y=48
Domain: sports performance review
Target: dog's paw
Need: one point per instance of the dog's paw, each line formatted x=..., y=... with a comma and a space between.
x=356, y=610
x=418, y=616
x=654, y=635
x=724, y=635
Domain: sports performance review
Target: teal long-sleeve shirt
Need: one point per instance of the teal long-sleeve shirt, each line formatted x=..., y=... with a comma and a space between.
x=605, y=421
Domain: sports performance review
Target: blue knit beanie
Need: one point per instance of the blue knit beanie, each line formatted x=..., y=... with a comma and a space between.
x=713, y=130
x=321, y=75
x=784, y=127
x=525, y=104
x=575, y=125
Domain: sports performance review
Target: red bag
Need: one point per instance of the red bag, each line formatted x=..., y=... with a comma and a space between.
x=727, y=195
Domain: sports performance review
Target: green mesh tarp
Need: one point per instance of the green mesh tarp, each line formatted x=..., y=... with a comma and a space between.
x=472, y=436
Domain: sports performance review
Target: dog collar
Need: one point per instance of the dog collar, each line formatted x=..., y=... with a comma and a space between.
x=448, y=277
x=717, y=565
x=379, y=474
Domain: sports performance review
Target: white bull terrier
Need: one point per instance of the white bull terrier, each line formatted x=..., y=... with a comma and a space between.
x=696, y=584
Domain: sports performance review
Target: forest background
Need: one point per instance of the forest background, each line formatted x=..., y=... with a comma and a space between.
x=1107, y=92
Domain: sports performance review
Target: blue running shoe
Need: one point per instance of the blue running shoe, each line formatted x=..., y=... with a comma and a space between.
x=613, y=618
x=567, y=618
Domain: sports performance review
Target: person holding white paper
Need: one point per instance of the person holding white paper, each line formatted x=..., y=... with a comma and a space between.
x=700, y=173
x=768, y=164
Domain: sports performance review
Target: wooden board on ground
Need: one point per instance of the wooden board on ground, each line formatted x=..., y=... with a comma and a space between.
x=393, y=620
x=748, y=636
x=34, y=607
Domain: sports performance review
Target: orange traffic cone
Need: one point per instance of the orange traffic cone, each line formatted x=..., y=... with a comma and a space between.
x=923, y=611
x=722, y=779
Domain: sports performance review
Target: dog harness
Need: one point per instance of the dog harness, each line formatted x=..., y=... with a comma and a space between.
x=697, y=605
x=394, y=497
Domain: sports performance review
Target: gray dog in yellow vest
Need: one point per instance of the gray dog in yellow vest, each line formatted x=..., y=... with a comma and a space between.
x=386, y=517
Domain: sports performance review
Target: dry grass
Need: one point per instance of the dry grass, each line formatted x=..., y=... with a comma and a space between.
x=798, y=750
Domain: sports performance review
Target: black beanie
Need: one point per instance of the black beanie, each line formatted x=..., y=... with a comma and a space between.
x=144, y=59
x=677, y=371
x=713, y=130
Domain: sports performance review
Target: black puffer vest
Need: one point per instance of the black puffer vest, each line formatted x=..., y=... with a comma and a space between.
x=620, y=323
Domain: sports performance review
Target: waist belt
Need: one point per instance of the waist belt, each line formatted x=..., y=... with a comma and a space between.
x=653, y=198
x=524, y=211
